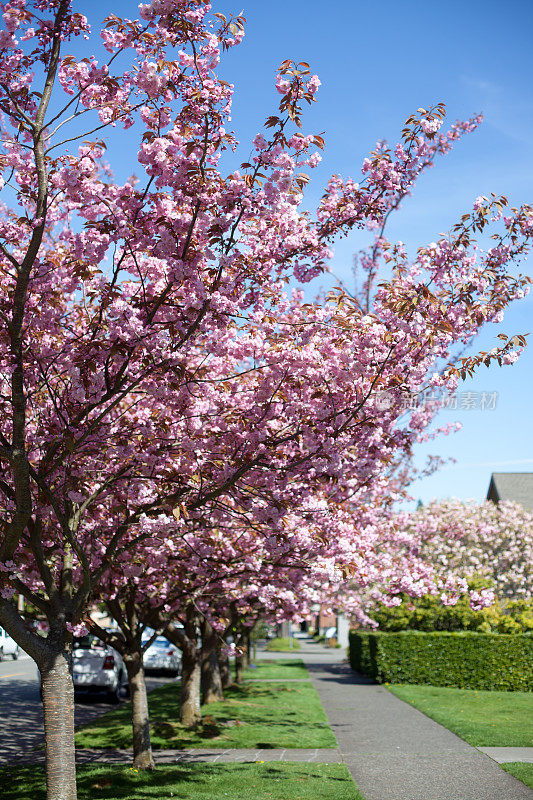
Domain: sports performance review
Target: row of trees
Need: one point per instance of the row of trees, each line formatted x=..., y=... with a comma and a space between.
x=480, y=555
x=184, y=434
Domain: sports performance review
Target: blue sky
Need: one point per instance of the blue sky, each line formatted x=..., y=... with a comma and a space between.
x=378, y=63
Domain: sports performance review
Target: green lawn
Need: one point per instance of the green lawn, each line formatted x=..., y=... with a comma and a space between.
x=482, y=718
x=283, y=645
x=276, y=781
x=253, y=715
x=277, y=668
x=524, y=772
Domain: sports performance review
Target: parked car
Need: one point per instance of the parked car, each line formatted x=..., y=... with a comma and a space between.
x=98, y=668
x=162, y=656
x=8, y=646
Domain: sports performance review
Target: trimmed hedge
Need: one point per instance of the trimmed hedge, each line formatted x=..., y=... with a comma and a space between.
x=465, y=660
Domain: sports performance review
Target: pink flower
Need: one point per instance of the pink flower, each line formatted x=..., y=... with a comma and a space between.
x=510, y=358
x=77, y=630
x=313, y=83
x=430, y=126
x=282, y=85
x=482, y=599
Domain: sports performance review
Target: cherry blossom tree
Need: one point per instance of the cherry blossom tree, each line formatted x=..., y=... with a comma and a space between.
x=455, y=543
x=486, y=539
x=347, y=559
x=151, y=358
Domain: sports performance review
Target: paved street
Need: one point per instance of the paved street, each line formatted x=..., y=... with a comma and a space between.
x=20, y=707
x=21, y=725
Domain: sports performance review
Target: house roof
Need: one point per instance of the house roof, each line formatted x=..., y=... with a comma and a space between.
x=515, y=486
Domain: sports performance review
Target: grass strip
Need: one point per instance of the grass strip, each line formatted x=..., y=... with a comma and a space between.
x=277, y=668
x=262, y=715
x=482, y=718
x=278, y=780
x=520, y=770
x=283, y=644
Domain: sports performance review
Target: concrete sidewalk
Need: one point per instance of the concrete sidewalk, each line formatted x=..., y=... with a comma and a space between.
x=395, y=752
x=505, y=755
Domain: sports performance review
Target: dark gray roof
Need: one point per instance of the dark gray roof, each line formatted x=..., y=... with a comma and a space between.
x=516, y=486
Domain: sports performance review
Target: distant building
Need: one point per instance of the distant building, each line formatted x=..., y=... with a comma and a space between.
x=515, y=486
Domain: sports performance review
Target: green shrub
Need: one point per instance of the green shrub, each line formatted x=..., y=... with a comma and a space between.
x=282, y=644
x=465, y=660
x=429, y=614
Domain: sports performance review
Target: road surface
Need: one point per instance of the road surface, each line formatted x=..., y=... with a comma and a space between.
x=21, y=719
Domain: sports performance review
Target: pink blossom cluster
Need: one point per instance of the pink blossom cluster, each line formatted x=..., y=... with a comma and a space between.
x=486, y=539
x=450, y=542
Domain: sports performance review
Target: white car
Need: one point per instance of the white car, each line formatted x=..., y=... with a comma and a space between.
x=8, y=646
x=162, y=656
x=98, y=668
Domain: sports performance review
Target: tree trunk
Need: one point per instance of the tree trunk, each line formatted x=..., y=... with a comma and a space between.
x=244, y=657
x=58, y=709
x=239, y=667
x=211, y=681
x=190, y=713
x=225, y=671
x=140, y=717
x=248, y=639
